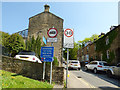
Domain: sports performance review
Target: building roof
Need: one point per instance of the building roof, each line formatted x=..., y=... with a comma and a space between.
x=46, y=12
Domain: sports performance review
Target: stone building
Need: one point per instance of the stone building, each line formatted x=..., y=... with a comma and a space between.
x=106, y=48
x=41, y=23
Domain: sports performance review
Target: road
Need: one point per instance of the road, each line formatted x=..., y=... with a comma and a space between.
x=99, y=80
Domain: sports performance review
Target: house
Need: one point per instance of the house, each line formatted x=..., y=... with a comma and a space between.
x=106, y=48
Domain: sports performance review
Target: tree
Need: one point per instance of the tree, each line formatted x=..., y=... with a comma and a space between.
x=15, y=44
x=3, y=38
x=93, y=38
x=38, y=45
x=72, y=52
x=34, y=45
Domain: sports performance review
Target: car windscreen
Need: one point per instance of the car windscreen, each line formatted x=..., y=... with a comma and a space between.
x=26, y=53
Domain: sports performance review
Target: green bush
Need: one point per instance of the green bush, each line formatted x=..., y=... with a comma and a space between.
x=55, y=62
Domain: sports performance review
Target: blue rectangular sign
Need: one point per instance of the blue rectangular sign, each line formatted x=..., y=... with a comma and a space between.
x=47, y=54
x=47, y=51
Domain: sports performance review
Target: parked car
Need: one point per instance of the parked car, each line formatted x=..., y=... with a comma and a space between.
x=114, y=71
x=28, y=55
x=64, y=64
x=74, y=65
x=97, y=66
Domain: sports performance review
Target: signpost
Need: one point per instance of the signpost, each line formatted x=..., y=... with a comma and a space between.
x=47, y=52
x=46, y=56
x=68, y=43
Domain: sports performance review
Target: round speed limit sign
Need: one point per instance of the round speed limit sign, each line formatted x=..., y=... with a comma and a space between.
x=68, y=32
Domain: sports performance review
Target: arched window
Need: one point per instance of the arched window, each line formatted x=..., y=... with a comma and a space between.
x=107, y=40
x=108, y=54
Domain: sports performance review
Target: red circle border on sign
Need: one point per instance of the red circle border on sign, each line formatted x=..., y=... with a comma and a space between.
x=52, y=36
x=65, y=33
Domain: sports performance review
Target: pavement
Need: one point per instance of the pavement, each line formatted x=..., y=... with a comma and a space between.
x=58, y=86
x=74, y=82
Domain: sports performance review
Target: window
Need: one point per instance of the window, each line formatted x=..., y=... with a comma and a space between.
x=82, y=58
x=82, y=51
x=108, y=54
x=107, y=40
x=102, y=63
x=118, y=65
x=95, y=47
x=93, y=62
x=95, y=57
x=87, y=48
x=101, y=56
x=87, y=57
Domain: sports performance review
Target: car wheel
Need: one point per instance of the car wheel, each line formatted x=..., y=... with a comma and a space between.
x=109, y=74
x=95, y=70
x=78, y=68
x=36, y=61
x=86, y=69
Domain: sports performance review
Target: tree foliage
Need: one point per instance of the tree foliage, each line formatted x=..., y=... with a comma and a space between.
x=14, y=43
x=72, y=52
x=3, y=38
x=34, y=45
x=93, y=38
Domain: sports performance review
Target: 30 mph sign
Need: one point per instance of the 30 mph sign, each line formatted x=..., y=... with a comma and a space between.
x=68, y=38
x=52, y=32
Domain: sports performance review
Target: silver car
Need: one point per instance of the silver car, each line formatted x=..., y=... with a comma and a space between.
x=74, y=65
x=114, y=71
x=97, y=66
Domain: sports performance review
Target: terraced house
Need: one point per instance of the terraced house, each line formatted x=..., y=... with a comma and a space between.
x=106, y=48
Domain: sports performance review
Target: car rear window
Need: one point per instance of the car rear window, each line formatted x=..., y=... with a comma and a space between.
x=93, y=62
x=26, y=53
x=74, y=62
x=104, y=64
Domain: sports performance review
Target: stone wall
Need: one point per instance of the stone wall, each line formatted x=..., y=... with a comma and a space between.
x=32, y=70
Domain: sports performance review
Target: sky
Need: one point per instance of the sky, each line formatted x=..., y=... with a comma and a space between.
x=86, y=18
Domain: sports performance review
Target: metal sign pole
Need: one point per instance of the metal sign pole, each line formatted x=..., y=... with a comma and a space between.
x=51, y=68
x=44, y=71
x=51, y=73
x=67, y=67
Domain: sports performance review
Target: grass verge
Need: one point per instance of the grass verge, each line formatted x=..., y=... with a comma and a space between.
x=11, y=80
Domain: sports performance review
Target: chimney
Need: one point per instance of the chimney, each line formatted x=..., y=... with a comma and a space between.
x=112, y=27
x=46, y=8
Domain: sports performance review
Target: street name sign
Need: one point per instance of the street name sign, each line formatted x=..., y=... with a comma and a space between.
x=68, y=38
x=47, y=54
x=51, y=39
x=52, y=32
